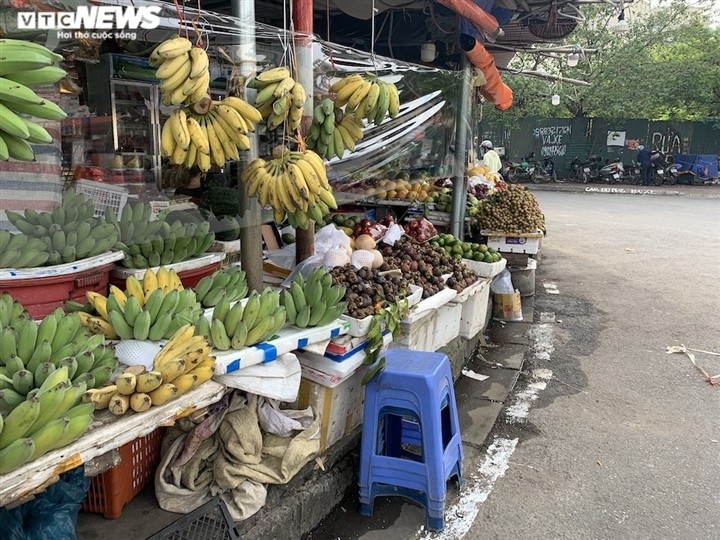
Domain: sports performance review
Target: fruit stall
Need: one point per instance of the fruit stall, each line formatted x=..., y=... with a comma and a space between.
x=124, y=306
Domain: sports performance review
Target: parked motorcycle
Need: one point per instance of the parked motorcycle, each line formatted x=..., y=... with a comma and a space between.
x=611, y=172
x=633, y=173
x=663, y=169
x=548, y=166
x=576, y=169
x=591, y=169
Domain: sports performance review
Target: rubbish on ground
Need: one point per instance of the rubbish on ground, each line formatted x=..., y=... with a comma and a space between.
x=713, y=380
x=477, y=376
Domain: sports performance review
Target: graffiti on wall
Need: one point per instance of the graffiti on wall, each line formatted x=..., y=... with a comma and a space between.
x=554, y=139
x=668, y=142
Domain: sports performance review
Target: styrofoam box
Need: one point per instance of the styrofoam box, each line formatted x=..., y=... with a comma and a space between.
x=474, y=302
x=516, y=243
x=340, y=408
x=360, y=327
x=431, y=329
x=484, y=269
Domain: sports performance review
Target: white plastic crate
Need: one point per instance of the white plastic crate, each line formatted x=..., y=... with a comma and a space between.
x=431, y=329
x=103, y=196
x=513, y=242
x=474, y=302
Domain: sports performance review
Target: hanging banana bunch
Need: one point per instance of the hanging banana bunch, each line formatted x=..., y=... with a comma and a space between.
x=184, y=71
x=332, y=131
x=279, y=98
x=294, y=184
x=25, y=65
x=368, y=97
x=210, y=132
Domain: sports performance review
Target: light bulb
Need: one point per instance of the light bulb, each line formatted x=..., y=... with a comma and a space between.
x=555, y=100
x=427, y=52
x=622, y=27
x=573, y=59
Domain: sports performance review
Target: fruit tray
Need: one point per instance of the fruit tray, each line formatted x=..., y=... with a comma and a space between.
x=360, y=327
x=61, y=269
x=190, y=264
x=288, y=339
x=106, y=433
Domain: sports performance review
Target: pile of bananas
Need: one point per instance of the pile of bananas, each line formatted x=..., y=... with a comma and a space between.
x=30, y=353
x=21, y=251
x=154, y=243
x=279, y=98
x=67, y=234
x=183, y=70
x=368, y=97
x=182, y=365
x=212, y=137
x=293, y=184
x=244, y=323
x=228, y=284
x=332, y=131
x=25, y=65
x=313, y=302
x=50, y=418
x=154, y=309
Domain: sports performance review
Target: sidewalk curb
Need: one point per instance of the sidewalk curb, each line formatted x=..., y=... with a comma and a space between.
x=622, y=190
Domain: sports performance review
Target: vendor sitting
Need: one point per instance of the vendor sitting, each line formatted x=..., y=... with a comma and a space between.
x=192, y=184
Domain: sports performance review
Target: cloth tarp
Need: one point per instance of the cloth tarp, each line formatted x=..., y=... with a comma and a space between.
x=228, y=455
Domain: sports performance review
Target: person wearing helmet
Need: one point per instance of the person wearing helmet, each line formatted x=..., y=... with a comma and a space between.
x=491, y=159
x=644, y=158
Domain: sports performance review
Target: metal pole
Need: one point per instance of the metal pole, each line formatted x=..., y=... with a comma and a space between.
x=250, y=211
x=302, y=16
x=462, y=126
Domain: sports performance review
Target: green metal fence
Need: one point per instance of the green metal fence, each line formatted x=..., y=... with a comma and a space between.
x=562, y=139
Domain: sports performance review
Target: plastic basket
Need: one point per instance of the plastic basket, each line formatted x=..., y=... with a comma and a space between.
x=103, y=196
x=111, y=491
x=211, y=521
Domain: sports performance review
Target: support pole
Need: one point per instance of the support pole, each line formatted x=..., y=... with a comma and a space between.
x=250, y=211
x=303, y=22
x=462, y=126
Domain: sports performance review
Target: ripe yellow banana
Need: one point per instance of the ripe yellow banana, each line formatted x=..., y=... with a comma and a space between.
x=140, y=402
x=200, y=62
x=163, y=394
x=198, y=136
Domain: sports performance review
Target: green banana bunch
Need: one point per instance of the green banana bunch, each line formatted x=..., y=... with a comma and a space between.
x=155, y=316
x=279, y=98
x=334, y=132
x=68, y=233
x=30, y=353
x=313, y=302
x=244, y=323
x=228, y=283
x=52, y=417
x=154, y=243
x=25, y=65
x=10, y=310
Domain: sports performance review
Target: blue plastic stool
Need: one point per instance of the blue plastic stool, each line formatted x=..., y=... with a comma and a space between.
x=411, y=443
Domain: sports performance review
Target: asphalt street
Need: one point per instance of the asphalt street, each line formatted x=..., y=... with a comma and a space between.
x=624, y=442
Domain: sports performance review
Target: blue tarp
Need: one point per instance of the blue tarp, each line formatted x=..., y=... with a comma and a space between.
x=704, y=166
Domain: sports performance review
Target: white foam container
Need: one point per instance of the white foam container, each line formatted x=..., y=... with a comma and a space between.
x=484, y=269
x=474, y=302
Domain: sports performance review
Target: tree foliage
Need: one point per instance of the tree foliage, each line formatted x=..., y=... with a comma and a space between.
x=667, y=67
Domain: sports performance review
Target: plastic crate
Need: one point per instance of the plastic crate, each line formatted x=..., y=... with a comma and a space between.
x=103, y=196
x=211, y=521
x=111, y=491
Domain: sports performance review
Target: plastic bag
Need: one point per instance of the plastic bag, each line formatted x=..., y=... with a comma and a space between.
x=325, y=239
x=52, y=514
x=502, y=283
x=393, y=234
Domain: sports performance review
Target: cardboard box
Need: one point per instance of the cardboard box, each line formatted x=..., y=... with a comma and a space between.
x=341, y=407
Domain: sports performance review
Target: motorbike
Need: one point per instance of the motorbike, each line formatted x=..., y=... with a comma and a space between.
x=591, y=169
x=663, y=169
x=529, y=169
x=633, y=173
x=576, y=169
x=611, y=172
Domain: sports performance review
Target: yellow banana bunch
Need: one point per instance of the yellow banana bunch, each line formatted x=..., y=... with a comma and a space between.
x=368, y=97
x=25, y=65
x=183, y=70
x=213, y=137
x=184, y=363
x=151, y=309
x=294, y=184
x=279, y=98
